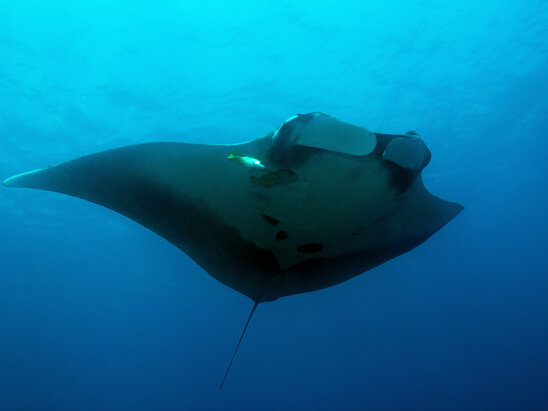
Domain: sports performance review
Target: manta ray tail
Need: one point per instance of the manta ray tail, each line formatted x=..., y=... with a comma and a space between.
x=238, y=345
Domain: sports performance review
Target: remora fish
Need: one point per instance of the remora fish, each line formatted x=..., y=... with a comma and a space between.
x=276, y=177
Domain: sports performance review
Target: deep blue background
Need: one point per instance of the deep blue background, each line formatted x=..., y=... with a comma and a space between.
x=98, y=313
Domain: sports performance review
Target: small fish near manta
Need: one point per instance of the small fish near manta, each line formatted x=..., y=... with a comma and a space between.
x=310, y=205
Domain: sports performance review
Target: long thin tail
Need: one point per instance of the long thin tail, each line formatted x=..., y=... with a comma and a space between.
x=239, y=341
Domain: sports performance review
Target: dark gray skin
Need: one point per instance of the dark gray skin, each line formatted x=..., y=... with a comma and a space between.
x=342, y=216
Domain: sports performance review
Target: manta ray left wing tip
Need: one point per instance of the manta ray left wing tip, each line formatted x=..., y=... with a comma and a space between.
x=23, y=179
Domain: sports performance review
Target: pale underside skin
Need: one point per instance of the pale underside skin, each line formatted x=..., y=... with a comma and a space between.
x=343, y=215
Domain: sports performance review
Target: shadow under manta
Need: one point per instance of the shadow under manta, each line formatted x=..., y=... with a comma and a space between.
x=355, y=199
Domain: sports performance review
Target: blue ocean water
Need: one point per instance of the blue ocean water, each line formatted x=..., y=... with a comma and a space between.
x=97, y=312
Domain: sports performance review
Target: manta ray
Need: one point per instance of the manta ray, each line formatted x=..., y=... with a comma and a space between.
x=309, y=205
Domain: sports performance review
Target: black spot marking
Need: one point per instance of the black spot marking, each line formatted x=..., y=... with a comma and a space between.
x=310, y=248
x=282, y=235
x=270, y=220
